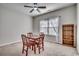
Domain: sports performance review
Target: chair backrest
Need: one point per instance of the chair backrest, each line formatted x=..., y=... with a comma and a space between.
x=30, y=34
x=24, y=38
x=42, y=35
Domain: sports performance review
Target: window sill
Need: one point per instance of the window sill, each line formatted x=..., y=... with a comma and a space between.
x=50, y=35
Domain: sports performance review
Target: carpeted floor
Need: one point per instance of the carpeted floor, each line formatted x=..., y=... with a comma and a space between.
x=51, y=49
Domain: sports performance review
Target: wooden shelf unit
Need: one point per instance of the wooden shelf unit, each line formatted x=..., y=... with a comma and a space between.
x=68, y=34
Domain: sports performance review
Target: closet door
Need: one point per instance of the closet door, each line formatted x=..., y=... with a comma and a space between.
x=68, y=34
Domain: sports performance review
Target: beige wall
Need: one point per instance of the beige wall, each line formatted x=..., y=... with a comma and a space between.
x=12, y=25
x=78, y=27
x=68, y=16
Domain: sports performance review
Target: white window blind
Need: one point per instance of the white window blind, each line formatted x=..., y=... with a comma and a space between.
x=43, y=26
x=50, y=26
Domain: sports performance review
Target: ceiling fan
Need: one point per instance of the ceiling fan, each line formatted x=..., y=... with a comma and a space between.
x=35, y=7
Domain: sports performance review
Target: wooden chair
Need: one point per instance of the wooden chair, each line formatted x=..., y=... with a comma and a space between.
x=23, y=41
x=40, y=42
x=30, y=34
x=42, y=37
x=27, y=44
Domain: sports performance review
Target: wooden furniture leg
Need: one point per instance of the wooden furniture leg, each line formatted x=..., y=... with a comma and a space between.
x=34, y=49
x=23, y=49
x=43, y=46
x=39, y=49
x=27, y=51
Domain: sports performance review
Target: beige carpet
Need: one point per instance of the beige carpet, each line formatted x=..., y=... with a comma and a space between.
x=51, y=49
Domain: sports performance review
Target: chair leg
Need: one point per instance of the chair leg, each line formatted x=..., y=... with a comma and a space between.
x=27, y=51
x=23, y=49
x=34, y=49
x=39, y=49
x=43, y=46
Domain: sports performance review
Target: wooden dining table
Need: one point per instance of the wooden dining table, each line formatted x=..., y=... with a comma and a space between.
x=34, y=37
x=32, y=41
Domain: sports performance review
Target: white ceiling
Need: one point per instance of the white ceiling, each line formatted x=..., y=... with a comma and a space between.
x=49, y=7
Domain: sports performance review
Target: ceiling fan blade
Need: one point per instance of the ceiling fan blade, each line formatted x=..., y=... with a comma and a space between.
x=28, y=6
x=41, y=6
x=38, y=10
x=31, y=10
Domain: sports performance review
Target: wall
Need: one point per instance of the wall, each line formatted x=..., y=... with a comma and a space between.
x=12, y=25
x=78, y=27
x=67, y=16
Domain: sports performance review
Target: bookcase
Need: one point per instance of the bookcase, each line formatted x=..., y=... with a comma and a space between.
x=68, y=34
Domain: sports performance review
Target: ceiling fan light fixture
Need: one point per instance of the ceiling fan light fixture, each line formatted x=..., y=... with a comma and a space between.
x=35, y=8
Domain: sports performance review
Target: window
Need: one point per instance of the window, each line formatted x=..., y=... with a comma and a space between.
x=43, y=26
x=49, y=26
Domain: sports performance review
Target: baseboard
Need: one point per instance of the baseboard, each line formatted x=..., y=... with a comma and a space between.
x=9, y=43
